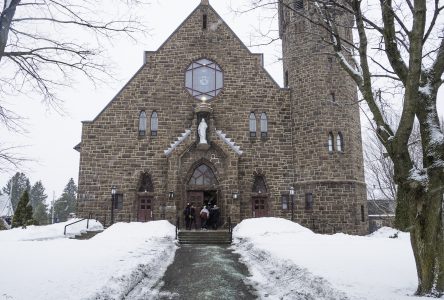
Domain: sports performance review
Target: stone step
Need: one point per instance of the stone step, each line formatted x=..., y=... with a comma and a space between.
x=204, y=237
x=86, y=235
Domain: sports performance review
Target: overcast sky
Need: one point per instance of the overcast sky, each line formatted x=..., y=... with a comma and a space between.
x=51, y=136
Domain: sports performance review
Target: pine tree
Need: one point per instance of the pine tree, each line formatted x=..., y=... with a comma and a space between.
x=23, y=213
x=67, y=202
x=19, y=183
x=37, y=194
x=41, y=214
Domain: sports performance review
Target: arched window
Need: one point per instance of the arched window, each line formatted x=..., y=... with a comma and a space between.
x=252, y=125
x=298, y=4
x=330, y=142
x=154, y=124
x=142, y=123
x=264, y=125
x=259, y=185
x=203, y=175
x=146, y=185
x=340, y=142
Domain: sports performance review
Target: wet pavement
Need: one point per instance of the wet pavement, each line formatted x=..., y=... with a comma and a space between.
x=206, y=272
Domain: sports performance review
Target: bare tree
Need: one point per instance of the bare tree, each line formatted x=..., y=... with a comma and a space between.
x=45, y=43
x=400, y=45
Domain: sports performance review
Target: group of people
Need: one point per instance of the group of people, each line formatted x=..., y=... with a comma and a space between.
x=209, y=216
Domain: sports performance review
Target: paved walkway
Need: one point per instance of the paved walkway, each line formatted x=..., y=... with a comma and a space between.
x=206, y=272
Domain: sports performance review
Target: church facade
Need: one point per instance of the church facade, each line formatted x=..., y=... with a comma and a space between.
x=202, y=121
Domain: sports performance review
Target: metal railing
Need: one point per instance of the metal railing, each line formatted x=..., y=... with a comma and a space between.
x=177, y=226
x=87, y=223
x=230, y=229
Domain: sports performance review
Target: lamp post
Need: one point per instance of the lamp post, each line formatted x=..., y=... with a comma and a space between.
x=113, y=201
x=292, y=202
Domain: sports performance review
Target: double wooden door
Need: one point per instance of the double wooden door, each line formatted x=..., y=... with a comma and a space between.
x=144, y=212
x=259, y=206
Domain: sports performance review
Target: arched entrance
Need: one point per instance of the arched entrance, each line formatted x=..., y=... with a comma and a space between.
x=145, y=198
x=202, y=188
x=259, y=197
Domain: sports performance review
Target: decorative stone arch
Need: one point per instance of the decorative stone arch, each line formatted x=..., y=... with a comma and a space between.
x=194, y=167
x=145, y=197
x=145, y=183
x=259, y=195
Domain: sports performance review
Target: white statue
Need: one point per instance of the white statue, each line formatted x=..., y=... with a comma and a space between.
x=202, y=129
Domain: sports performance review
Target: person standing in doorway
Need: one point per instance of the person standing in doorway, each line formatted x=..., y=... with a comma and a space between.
x=204, y=214
x=187, y=215
x=193, y=216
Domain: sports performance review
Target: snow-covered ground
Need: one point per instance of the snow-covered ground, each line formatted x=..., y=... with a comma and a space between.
x=288, y=261
x=40, y=263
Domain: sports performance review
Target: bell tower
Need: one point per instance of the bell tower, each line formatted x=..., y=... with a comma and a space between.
x=326, y=129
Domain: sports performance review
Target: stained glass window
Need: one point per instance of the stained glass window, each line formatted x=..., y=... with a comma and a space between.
x=203, y=175
x=204, y=79
x=154, y=123
x=142, y=123
x=339, y=142
x=330, y=142
x=264, y=125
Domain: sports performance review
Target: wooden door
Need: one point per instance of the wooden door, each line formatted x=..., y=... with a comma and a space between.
x=145, y=209
x=197, y=198
x=259, y=205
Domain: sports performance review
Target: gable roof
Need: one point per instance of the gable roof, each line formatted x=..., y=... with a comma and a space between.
x=203, y=3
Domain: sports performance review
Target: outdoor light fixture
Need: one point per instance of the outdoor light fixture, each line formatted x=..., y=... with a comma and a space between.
x=235, y=195
x=171, y=195
x=292, y=202
x=113, y=201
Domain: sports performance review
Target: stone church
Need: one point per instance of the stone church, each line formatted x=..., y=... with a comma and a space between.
x=202, y=121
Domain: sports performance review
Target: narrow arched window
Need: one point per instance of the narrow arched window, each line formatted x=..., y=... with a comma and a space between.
x=264, y=125
x=330, y=142
x=154, y=124
x=142, y=123
x=298, y=4
x=252, y=125
x=340, y=142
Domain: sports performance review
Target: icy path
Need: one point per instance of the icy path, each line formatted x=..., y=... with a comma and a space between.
x=200, y=272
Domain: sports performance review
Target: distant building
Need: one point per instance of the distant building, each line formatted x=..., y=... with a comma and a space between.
x=6, y=210
x=202, y=121
x=381, y=213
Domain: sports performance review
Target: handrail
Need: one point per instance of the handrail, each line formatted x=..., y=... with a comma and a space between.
x=87, y=223
x=177, y=226
x=230, y=229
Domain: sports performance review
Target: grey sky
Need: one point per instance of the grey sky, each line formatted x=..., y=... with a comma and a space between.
x=50, y=136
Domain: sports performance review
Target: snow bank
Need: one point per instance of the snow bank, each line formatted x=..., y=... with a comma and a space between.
x=289, y=261
x=53, y=231
x=107, y=266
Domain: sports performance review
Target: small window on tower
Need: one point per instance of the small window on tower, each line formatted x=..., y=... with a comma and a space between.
x=340, y=142
x=286, y=79
x=204, y=21
x=332, y=97
x=154, y=123
x=330, y=142
x=298, y=4
x=252, y=121
x=362, y=213
x=264, y=125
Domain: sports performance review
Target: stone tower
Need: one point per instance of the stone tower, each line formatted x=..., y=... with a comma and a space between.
x=327, y=143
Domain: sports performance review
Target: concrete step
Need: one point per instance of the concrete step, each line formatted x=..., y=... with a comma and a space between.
x=86, y=235
x=204, y=237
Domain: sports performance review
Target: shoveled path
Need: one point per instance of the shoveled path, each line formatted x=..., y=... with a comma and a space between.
x=206, y=272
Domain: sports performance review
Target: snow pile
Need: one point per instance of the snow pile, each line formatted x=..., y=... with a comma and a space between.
x=108, y=266
x=53, y=231
x=289, y=261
